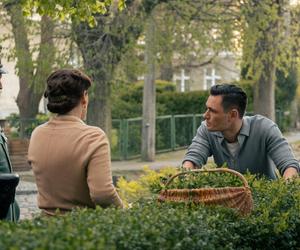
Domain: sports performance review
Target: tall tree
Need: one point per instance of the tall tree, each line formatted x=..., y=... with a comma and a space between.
x=182, y=37
x=102, y=48
x=83, y=10
x=149, y=93
x=31, y=73
x=263, y=50
x=192, y=33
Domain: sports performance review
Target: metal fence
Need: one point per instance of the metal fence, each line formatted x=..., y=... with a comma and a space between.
x=172, y=132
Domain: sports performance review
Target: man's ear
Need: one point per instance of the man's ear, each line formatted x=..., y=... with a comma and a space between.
x=234, y=113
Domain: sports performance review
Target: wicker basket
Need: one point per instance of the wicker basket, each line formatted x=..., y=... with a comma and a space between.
x=239, y=198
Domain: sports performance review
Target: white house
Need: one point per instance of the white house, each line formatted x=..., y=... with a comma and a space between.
x=9, y=93
x=223, y=69
x=10, y=90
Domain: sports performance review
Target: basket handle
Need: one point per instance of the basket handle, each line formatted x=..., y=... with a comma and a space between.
x=210, y=170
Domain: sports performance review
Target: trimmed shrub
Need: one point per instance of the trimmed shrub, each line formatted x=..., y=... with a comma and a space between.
x=173, y=103
x=127, y=100
x=274, y=223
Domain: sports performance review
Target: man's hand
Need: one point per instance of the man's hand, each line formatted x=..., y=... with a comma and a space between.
x=290, y=173
x=188, y=165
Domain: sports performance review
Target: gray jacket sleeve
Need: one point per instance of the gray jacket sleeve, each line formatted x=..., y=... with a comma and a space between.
x=279, y=150
x=200, y=149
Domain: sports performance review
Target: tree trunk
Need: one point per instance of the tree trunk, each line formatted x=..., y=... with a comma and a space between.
x=264, y=95
x=265, y=57
x=102, y=48
x=31, y=80
x=99, y=58
x=24, y=57
x=149, y=95
x=294, y=113
x=100, y=98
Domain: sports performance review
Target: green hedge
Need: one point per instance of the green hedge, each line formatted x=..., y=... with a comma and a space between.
x=274, y=223
x=127, y=100
x=173, y=103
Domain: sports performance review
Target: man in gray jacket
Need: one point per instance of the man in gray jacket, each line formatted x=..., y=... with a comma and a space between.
x=252, y=143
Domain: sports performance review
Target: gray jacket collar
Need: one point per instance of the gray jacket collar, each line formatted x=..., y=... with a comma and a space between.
x=245, y=129
x=244, y=132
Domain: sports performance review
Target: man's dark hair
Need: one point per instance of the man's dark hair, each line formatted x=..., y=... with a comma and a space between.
x=64, y=89
x=233, y=97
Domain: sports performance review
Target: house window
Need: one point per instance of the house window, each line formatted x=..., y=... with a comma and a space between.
x=141, y=78
x=182, y=78
x=210, y=78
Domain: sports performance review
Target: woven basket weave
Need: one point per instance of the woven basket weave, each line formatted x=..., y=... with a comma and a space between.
x=239, y=198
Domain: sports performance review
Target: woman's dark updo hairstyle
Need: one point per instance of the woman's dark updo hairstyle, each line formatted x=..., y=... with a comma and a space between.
x=65, y=87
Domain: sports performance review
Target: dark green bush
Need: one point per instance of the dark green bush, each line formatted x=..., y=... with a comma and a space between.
x=274, y=224
x=173, y=103
x=247, y=86
x=28, y=125
x=127, y=99
x=285, y=93
x=285, y=90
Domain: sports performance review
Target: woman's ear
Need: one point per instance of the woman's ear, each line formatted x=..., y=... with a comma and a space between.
x=84, y=98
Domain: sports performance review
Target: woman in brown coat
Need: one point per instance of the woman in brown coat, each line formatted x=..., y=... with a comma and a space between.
x=70, y=160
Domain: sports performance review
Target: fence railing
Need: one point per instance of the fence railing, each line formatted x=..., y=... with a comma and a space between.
x=172, y=132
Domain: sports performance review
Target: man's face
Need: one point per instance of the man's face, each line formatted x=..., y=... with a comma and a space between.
x=216, y=118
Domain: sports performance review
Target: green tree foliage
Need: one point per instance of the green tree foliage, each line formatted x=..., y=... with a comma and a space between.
x=268, y=40
x=187, y=29
x=37, y=45
x=189, y=34
x=102, y=48
x=34, y=63
x=199, y=28
x=286, y=86
x=69, y=9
